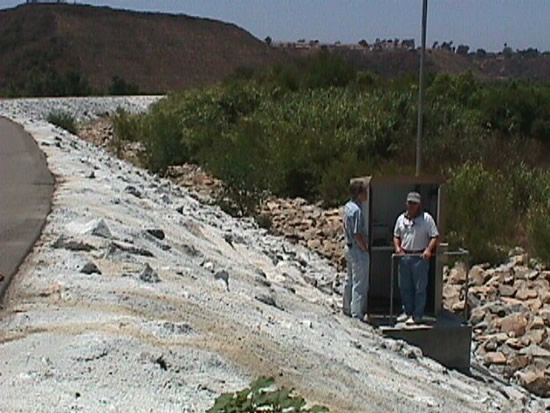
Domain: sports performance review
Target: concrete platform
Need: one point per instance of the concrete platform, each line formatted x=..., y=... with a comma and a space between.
x=445, y=338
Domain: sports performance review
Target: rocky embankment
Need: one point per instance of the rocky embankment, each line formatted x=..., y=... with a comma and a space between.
x=309, y=225
x=510, y=304
x=138, y=297
x=510, y=314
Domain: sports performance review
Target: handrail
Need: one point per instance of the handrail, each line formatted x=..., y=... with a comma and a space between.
x=460, y=252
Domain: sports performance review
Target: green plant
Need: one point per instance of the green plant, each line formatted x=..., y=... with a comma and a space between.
x=262, y=397
x=119, y=86
x=63, y=120
x=481, y=215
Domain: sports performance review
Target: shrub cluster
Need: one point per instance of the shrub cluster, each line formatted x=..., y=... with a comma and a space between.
x=305, y=129
x=64, y=120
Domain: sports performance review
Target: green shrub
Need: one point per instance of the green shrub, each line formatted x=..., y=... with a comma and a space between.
x=538, y=220
x=260, y=397
x=480, y=215
x=539, y=232
x=304, y=129
x=63, y=120
x=119, y=86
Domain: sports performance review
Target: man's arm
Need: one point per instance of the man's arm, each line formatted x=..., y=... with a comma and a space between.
x=430, y=249
x=397, y=237
x=434, y=239
x=361, y=242
x=397, y=246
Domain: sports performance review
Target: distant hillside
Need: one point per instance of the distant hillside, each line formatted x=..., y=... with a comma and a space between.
x=158, y=52
x=64, y=49
x=393, y=63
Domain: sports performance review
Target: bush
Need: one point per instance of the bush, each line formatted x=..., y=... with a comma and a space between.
x=538, y=223
x=63, y=120
x=260, y=397
x=303, y=130
x=119, y=86
x=480, y=212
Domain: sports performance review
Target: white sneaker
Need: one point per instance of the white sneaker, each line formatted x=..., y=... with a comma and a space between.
x=410, y=321
x=403, y=317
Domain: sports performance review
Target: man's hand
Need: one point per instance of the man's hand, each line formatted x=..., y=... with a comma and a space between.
x=400, y=251
x=427, y=254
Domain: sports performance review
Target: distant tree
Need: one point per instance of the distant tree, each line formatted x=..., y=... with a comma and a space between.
x=268, y=40
x=119, y=87
x=435, y=45
x=462, y=49
x=481, y=53
x=507, y=51
x=363, y=43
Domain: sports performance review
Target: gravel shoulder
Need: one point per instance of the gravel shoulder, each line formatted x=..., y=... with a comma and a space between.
x=137, y=297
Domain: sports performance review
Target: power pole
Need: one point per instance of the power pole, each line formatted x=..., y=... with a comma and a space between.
x=421, y=90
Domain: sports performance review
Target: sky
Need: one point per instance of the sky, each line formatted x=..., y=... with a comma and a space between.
x=484, y=24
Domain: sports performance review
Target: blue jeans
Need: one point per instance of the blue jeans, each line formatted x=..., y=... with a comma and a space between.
x=357, y=285
x=413, y=281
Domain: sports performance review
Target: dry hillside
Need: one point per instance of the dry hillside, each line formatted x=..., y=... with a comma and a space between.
x=159, y=52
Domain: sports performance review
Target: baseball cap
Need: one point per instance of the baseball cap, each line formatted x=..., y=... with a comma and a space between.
x=414, y=197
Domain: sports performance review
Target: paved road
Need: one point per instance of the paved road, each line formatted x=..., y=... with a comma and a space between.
x=26, y=188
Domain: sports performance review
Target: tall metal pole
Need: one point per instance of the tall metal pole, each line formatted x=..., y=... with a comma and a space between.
x=421, y=87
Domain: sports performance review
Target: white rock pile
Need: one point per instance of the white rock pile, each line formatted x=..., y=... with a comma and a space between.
x=510, y=314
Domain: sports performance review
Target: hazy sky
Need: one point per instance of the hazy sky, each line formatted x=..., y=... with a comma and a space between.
x=478, y=23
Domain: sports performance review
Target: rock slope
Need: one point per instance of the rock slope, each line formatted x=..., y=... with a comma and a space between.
x=510, y=313
x=140, y=298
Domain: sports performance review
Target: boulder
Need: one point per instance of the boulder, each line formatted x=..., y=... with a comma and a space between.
x=535, y=381
x=495, y=357
x=155, y=232
x=457, y=275
x=477, y=276
x=534, y=304
x=536, y=323
x=149, y=275
x=90, y=268
x=518, y=362
x=514, y=323
x=477, y=315
x=506, y=290
x=535, y=351
x=526, y=294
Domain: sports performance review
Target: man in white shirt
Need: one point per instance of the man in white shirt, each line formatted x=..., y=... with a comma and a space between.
x=415, y=233
x=357, y=252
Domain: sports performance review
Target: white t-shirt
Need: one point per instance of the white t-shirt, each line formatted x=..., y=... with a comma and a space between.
x=416, y=233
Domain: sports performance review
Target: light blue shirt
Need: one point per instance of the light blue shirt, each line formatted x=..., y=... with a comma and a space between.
x=354, y=223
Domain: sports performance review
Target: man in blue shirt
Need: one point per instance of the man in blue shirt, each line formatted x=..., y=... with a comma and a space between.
x=357, y=252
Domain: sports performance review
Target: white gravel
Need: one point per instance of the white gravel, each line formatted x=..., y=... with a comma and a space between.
x=116, y=342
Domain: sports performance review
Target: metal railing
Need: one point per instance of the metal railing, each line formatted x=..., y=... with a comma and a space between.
x=459, y=253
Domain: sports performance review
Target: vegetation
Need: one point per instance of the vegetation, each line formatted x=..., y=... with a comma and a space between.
x=260, y=397
x=64, y=120
x=50, y=83
x=120, y=87
x=305, y=129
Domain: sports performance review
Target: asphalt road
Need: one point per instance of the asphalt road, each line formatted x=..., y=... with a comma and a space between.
x=26, y=188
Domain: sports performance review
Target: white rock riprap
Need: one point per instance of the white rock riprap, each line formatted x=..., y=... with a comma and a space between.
x=167, y=323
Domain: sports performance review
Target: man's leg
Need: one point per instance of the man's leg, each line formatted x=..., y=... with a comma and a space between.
x=420, y=269
x=360, y=285
x=349, y=283
x=406, y=286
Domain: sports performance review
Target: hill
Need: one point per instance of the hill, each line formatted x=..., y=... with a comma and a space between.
x=63, y=49
x=158, y=52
